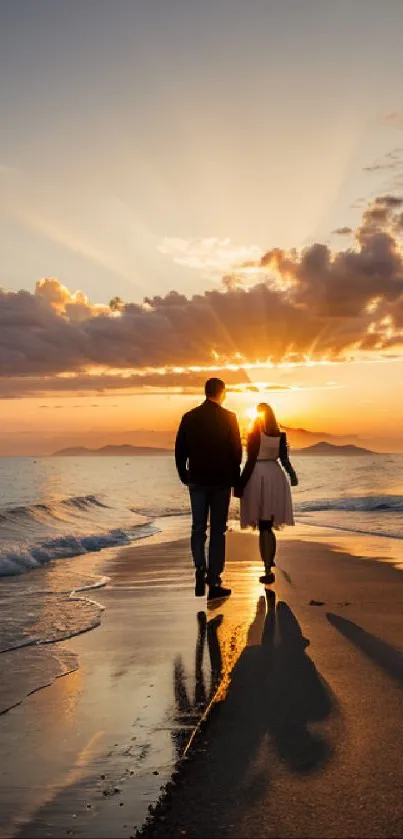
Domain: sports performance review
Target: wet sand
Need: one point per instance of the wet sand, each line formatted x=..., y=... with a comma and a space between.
x=308, y=741
x=79, y=757
x=303, y=691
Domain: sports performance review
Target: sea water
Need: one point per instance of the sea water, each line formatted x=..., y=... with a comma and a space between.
x=57, y=513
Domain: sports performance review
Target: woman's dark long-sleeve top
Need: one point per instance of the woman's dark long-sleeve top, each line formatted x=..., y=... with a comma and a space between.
x=253, y=446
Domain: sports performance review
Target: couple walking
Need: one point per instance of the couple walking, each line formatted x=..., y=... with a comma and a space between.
x=208, y=454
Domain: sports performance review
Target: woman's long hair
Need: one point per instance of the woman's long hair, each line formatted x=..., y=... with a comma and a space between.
x=266, y=420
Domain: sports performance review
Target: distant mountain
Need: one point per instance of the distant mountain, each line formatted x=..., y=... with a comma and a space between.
x=301, y=437
x=112, y=451
x=326, y=449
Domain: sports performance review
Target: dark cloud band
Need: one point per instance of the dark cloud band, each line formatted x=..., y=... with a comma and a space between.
x=322, y=303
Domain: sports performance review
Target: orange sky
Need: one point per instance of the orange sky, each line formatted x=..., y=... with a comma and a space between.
x=351, y=399
x=237, y=181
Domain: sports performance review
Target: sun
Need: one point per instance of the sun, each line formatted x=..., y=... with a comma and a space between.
x=252, y=413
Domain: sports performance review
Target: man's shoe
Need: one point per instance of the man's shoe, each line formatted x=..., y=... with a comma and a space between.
x=200, y=584
x=267, y=579
x=218, y=592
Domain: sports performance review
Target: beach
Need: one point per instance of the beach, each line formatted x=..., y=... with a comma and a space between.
x=201, y=339
x=290, y=699
x=127, y=709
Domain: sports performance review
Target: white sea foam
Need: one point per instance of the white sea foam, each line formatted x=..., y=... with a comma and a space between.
x=33, y=535
x=354, y=503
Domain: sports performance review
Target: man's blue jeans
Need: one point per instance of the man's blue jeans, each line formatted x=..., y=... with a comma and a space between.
x=213, y=501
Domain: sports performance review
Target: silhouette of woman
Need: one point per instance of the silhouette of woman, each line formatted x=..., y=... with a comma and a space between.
x=264, y=488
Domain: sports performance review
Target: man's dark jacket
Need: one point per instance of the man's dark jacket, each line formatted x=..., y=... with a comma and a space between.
x=208, y=449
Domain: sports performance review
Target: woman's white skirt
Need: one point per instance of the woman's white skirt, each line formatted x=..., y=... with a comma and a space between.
x=267, y=496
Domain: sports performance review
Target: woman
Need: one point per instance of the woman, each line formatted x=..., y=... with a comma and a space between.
x=264, y=489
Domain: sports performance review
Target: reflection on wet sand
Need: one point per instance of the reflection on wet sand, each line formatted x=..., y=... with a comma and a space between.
x=188, y=711
x=225, y=641
x=27, y=770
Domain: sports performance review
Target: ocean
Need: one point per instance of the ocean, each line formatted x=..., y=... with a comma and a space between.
x=54, y=508
x=56, y=514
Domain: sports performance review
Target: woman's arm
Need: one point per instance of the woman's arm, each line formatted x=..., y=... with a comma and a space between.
x=252, y=451
x=285, y=461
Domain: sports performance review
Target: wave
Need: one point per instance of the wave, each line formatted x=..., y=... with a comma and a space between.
x=46, y=619
x=354, y=503
x=161, y=512
x=33, y=535
x=17, y=560
x=364, y=531
x=37, y=511
x=62, y=633
x=31, y=671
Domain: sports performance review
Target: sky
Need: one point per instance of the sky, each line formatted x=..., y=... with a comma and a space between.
x=232, y=171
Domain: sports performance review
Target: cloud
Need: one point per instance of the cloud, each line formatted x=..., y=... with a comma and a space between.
x=391, y=161
x=390, y=166
x=315, y=302
x=83, y=384
x=343, y=231
x=213, y=257
x=394, y=119
x=169, y=385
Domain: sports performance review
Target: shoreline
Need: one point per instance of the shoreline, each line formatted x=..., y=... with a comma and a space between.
x=100, y=695
x=121, y=662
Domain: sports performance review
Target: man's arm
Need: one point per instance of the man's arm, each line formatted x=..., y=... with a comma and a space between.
x=236, y=445
x=181, y=452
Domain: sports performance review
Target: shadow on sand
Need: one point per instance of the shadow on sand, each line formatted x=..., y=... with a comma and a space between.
x=279, y=693
x=274, y=704
x=275, y=697
x=388, y=658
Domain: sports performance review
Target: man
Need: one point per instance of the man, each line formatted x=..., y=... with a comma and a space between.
x=208, y=454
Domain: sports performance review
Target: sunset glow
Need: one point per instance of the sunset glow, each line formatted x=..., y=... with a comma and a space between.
x=252, y=413
x=134, y=270
x=201, y=402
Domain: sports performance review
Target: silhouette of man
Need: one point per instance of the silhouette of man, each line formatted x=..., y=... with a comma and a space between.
x=208, y=454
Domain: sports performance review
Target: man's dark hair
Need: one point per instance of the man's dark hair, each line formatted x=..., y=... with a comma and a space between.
x=214, y=387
